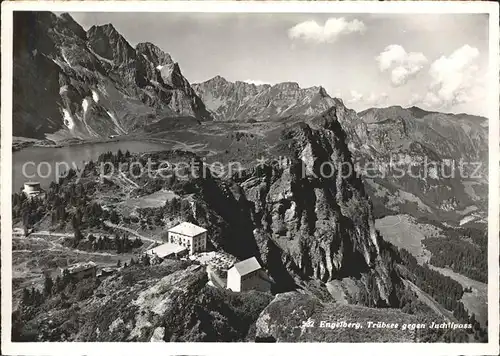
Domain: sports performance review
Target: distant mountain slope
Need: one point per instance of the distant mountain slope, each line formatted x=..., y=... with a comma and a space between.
x=450, y=136
x=444, y=157
x=69, y=82
x=285, y=103
x=242, y=101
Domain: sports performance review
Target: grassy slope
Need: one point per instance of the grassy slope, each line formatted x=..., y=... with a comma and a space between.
x=475, y=302
x=403, y=232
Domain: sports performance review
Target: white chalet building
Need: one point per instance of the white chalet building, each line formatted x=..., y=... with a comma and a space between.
x=190, y=236
x=32, y=189
x=247, y=275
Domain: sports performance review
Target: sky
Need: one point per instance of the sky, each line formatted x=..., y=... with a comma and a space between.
x=434, y=61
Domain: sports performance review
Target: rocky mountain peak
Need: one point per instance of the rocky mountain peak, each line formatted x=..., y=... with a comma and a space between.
x=154, y=54
x=107, y=42
x=216, y=81
x=265, y=85
x=322, y=91
x=74, y=26
x=419, y=112
x=64, y=79
x=171, y=74
x=287, y=86
x=313, y=210
x=107, y=28
x=326, y=120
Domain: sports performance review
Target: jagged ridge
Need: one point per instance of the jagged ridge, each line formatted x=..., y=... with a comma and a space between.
x=242, y=101
x=72, y=83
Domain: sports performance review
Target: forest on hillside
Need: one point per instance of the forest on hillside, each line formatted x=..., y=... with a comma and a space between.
x=464, y=251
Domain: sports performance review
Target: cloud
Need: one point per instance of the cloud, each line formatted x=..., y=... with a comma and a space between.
x=455, y=80
x=453, y=77
x=416, y=99
x=356, y=97
x=377, y=99
x=311, y=31
x=373, y=99
x=402, y=65
x=337, y=94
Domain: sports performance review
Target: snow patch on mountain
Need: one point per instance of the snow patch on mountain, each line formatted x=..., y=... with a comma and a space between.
x=68, y=120
x=63, y=89
x=467, y=219
x=65, y=58
x=85, y=105
x=95, y=96
x=119, y=128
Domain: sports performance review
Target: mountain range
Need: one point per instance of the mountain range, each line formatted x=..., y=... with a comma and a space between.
x=242, y=101
x=69, y=82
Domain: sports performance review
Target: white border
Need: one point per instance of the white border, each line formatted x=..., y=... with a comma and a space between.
x=78, y=348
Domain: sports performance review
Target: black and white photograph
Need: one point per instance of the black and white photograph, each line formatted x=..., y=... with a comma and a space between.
x=258, y=175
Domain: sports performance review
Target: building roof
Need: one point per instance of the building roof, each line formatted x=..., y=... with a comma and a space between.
x=166, y=249
x=32, y=183
x=247, y=266
x=81, y=267
x=187, y=229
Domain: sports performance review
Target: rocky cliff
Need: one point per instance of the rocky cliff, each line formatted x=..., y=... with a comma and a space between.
x=69, y=82
x=306, y=216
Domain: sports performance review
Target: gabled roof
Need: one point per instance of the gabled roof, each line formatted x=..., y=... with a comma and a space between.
x=187, y=229
x=247, y=266
x=165, y=250
x=78, y=267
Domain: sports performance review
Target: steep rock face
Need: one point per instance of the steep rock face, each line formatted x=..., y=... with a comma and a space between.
x=154, y=54
x=106, y=42
x=306, y=216
x=72, y=83
x=224, y=98
x=314, y=207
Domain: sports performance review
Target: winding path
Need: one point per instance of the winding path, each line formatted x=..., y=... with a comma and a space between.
x=133, y=232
